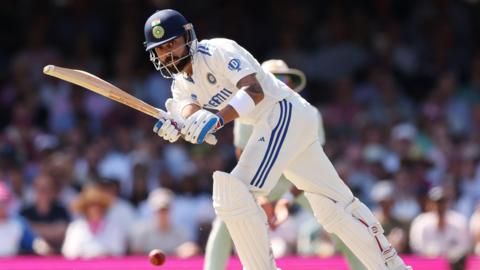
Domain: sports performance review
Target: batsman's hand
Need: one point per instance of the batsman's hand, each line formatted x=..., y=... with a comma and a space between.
x=199, y=125
x=169, y=128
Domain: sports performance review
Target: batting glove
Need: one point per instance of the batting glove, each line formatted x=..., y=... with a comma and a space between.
x=167, y=130
x=199, y=125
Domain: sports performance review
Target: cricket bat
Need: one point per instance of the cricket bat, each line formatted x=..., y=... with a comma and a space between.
x=108, y=90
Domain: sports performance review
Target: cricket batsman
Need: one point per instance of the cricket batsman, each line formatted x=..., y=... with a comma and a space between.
x=217, y=81
x=219, y=246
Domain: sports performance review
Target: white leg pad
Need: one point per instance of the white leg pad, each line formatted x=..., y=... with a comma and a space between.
x=246, y=222
x=359, y=230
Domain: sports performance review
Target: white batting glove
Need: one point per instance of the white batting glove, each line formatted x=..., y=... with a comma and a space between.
x=199, y=125
x=168, y=129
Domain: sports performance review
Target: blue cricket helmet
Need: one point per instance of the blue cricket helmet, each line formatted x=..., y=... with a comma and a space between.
x=164, y=26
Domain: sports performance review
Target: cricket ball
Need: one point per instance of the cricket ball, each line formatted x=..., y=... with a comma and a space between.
x=156, y=257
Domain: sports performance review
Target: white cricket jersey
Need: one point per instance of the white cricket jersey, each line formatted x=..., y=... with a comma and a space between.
x=218, y=65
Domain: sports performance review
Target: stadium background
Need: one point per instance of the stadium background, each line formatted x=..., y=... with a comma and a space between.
x=397, y=83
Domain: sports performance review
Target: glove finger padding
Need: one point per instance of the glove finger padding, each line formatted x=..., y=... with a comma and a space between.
x=164, y=128
x=190, y=125
x=171, y=133
x=167, y=130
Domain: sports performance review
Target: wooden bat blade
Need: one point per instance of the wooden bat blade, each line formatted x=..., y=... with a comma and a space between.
x=102, y=87
x=106, y=89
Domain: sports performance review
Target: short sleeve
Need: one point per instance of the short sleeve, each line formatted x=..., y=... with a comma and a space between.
x=231, y=61
x=475, y=223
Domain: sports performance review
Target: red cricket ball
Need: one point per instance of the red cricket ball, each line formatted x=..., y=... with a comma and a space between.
x=157, y=257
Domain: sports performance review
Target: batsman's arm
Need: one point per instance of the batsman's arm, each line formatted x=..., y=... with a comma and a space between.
x=249, y=84
x=245, y=100
x=201, y=123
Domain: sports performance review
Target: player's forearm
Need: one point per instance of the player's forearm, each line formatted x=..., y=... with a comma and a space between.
x=245, y=100
x=252, y=87
x=228, y=114
x=255, y=92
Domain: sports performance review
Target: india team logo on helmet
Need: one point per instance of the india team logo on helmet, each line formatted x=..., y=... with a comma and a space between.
x=162, y=27
x=158, y=31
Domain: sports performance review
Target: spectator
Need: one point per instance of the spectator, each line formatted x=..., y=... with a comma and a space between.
x=406, y=206
x=117, y=162
x=313, y=240
x=440, y=231
x=93, y=235
x=140, y=184
x=60, y=166
x=469, y=183
x=383, y=193
x=121, y=212
x=17, y=236
x=10, y=228
x=475, y=230
x=47, y=217
x=159, y=232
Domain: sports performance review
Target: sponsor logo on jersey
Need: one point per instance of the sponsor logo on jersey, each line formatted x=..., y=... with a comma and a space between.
x=194, y=97
x=234, y=64
x=211, y=79
x=262, y=139
x=219, y=98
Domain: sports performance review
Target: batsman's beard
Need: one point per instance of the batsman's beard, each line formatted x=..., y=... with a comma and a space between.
x=177, y=65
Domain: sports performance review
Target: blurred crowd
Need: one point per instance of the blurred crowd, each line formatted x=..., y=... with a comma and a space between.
x=397, y=83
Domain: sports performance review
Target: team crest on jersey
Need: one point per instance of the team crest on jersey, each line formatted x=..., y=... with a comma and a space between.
x=194, y=97
x=234, y=64
x=211, y=79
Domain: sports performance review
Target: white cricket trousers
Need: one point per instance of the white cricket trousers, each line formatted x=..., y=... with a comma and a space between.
x=285, y=140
